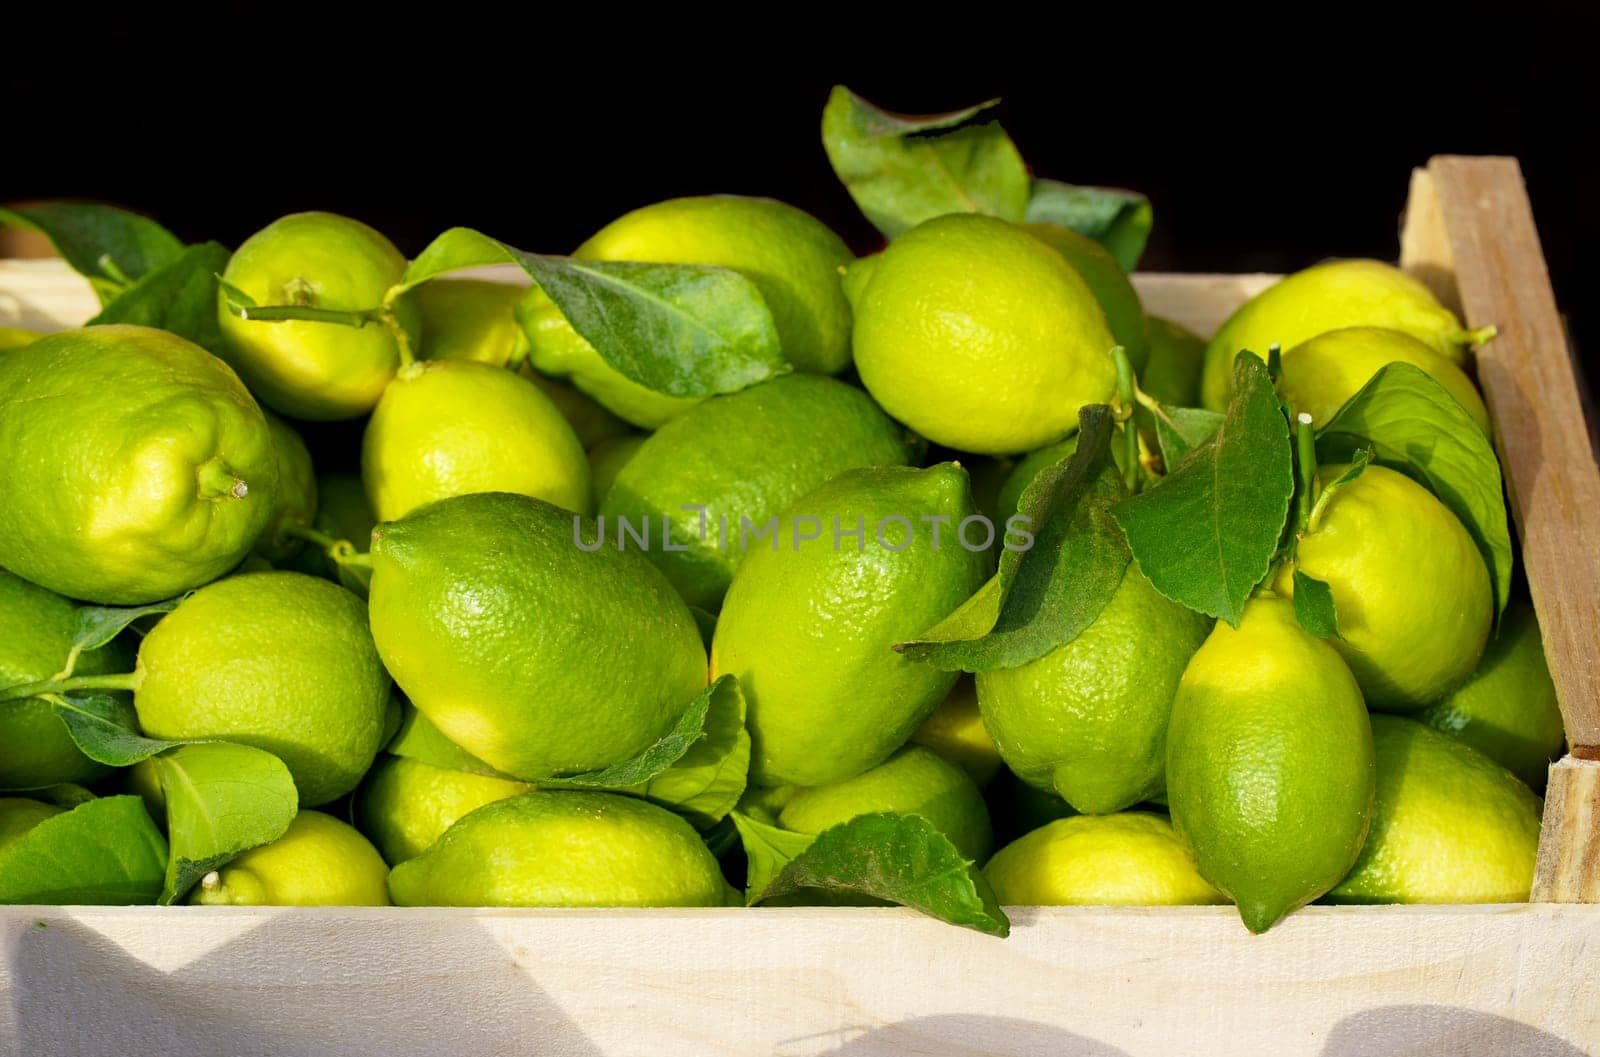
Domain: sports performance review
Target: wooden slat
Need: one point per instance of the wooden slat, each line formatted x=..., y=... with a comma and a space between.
x=1569, y=841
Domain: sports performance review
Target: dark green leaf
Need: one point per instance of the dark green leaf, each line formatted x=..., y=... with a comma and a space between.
x=1206, y=534
x=668, y=750
x=904, y=170
x=111, y=247
x=1118, y=220
x=222, y=799
x=899, y=858
x=706, y=783
x=179, y=296
x=1180, y=430
x=105, y=851
x=682, y=329
x=1314, y=607
x=767, y=850
x=105, y=728
x=1046, y=595
x=96, y=626
x=1414, y=425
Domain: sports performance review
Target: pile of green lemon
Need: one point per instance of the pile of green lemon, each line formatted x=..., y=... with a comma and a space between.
x=467, y=665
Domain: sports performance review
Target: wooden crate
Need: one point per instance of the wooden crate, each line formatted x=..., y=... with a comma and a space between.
x=1097, y=982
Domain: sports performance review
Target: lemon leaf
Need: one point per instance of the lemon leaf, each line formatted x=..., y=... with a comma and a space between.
x=768, y=849
x=95, y=626
x=222, y=800
x=904, y=170
x=105, y=728
x=666, y=751
x=1314, y=606
x=104, y=851
x=1206, y=534
x=110, y=247
x=1119, y=220
x=418, y=739
x=708, y=780
x=179, y=296
x=1180, y=430
x=1415, y=426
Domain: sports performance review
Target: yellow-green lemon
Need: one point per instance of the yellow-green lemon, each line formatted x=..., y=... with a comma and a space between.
x=296, y=500
x=737, y=461
x=317, y=371
x=1507, y=708
x=980, y=337
x=18, y=815
x=405, y=805
x=956, y=732
x=1128, y=859
x=1088, y=720
x=810, y=623
x=1177, y=357
x=470, y=319
x=1112, y=289
x=452, y=427
x=1410, y=587
x=318, y=862
x=136, y=465
x=523, y=642
x=607, y=459
x=16, y=337
x=1270, y=767
x=1329, y=296
x=36, y=631
x=1450, y=825
x=588, y=418
x=564, y=849
x=1319, y=375
x=914, y=781
x=278, y=660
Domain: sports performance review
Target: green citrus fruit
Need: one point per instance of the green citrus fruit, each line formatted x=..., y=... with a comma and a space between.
x=1269, y=763
x=1088, y=720
x=1177, y=357
x=18, y=815
x=318, y=862
x=136, y=465
x=809, y=623
x=295, y=502
x=588, y=418
x=1410, y=587
x=1319, y=375
x=956, y=732
x=1329, y=296
x=914, y=781
x=1112, y=289
x=1450, y=825
x=36, y=630
x=453, y=427
x=535, y=655
x=317, y=371
x=470, y=319
x=744, y=458
x=607, y=459
x=279, y=660
x=1507, y=709
x=1128, y=859
x=564, y=849
x=765, y=802
x=16, y=337
x=405, y=805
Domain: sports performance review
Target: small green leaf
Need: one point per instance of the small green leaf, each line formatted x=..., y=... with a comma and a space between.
x=904, y=170
x=95, y=626
x=105, y=728
x=111, y=247
x=1206, y=534
x=706, y=783
x=682, y=329
x=1314, y=606
x=668, y=750
x=418, y=739
x=768, y=849
x=179, y=296
x=222, y=799
x=1180, y=430
x=104, y=851
x=1118, y=220
x=1414, y=425
x=1046, y=595
x=899, y=858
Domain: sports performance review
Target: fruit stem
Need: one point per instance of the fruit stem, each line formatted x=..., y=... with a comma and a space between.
x=341, y=552
x=219, y=482
x=125, y=681
x=1305, y=449
x=1478, y=336
x=1127, y=396
x=304, y=314
x=402, y=340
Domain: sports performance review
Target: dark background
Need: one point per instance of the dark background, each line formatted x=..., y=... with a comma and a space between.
x=1259, y=154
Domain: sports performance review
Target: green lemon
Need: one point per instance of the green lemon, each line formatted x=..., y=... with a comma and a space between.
x=405, y=805
x=470, y=319
x=295, y=502
x=764, y=802
x=36, y=630
x=1177, y=357
x=453, y=427
x=809, y=623
x=914, y=781
x=136, y=465
x=980, y=337
x=792, y=259
x=564, y=849
x=1111, y=287
x=744, y=458
x=956, y=732
x=1329, y=296
x=1319, y=375
x=1269, y=763
x=535, y=654
x=1129, y=859
x=1088, y=720
x=589, y=419
x=18, y=815
x=1450, y=825
x=1410, y=587
x=16, y=337
x=1507, y=708
x=318, y=862
x=278, y=660
x=607, y=459
x=317, y=371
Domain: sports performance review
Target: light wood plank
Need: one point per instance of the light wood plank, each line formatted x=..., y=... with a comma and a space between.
x=1569, y=840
